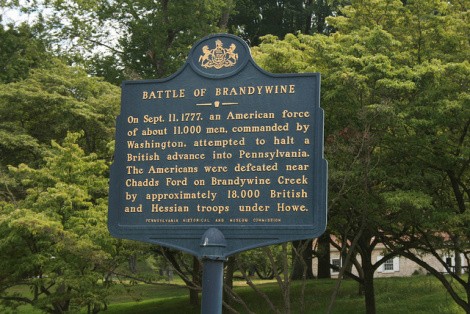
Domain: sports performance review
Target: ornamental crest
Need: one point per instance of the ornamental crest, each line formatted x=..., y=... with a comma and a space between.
x=219, y=57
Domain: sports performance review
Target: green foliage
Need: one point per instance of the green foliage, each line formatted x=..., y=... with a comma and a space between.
x=254, y=19
x=150, y=39
x=157, y=42
x=20, y=51
x=55, y=240
x=394, y=89
x=49, y=103
x=395, y=94
x=256, y=261
x=129, y=39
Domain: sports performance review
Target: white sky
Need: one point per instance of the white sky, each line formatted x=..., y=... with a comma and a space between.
x=12, y=16
x=16, y=17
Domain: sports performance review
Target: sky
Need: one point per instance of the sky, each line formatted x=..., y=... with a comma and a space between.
x=12, y=16
x=16, y=17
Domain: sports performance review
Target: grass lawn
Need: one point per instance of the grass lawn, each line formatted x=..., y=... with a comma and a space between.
x=417, y=294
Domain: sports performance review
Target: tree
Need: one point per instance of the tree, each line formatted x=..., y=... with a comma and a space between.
x=130, y=39
x=425, y=96
x=395, y=92
x=49, y=103
x=432, y=140
x=55, y=241
x=302, y=253
x=322, y=253
x=353, y=72
x=376, y=73
x=150, y=39
x=429, y=142
x=20, y=51
x=254, y=19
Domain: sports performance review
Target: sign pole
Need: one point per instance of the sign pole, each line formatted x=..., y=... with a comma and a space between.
x=212, y=286
x=213, y=245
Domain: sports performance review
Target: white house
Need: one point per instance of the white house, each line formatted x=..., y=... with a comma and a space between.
x=398, y=266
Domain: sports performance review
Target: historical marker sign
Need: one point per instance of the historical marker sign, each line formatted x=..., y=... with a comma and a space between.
x=221, y=144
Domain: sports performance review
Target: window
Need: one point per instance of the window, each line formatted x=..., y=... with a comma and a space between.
x=337, y=263
x=389, y=266
x=449, y=261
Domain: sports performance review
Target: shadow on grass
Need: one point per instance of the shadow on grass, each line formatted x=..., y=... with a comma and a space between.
x=418, y=294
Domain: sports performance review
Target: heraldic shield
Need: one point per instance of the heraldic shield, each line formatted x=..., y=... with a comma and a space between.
x=218, y=57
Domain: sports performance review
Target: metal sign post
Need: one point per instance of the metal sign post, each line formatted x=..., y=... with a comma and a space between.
x=213, y=245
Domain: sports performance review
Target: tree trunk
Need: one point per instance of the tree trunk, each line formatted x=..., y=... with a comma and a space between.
x=193, y=283
x=228, y=280
x=458, y=263
x=133, y=263
x=323, y=253
x=467, y=305
x=302, y=257
x=193, y=293
x=347, y=263
x=458, y=258
x=223, y=21
x=369, y=291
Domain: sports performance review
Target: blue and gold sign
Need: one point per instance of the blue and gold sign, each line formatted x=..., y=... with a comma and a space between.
x=220, y=145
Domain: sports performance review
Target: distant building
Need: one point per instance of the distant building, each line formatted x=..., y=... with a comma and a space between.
x=397, y=266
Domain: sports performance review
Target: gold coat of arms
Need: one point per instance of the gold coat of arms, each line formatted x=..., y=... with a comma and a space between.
x=219, y=57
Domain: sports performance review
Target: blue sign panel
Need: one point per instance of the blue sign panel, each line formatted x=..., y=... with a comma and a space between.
x=220, y=144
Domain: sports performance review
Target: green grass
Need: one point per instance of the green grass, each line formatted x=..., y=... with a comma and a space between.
x=417, y=294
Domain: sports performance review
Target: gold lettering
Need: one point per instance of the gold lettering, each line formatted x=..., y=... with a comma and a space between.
x=241, y=182
x=297, y=167
x=288, y=194
x=250, y=115
x=219, y=143
x=143, y=157
x=167, y=94
x=175, y=208
x=214, y=209
x=289, y=140
x=283, y=207
x=133, y=209
x=285, y=180
x=180, y=156
x=175, y=169
x=243, y=154
x=142, y=183
x=176, y=182
x=208, y=195
x=261, y=128
x=256, y=89
x=256, y=168
x=216, y=130
x=253, y=208
x=294, y=114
